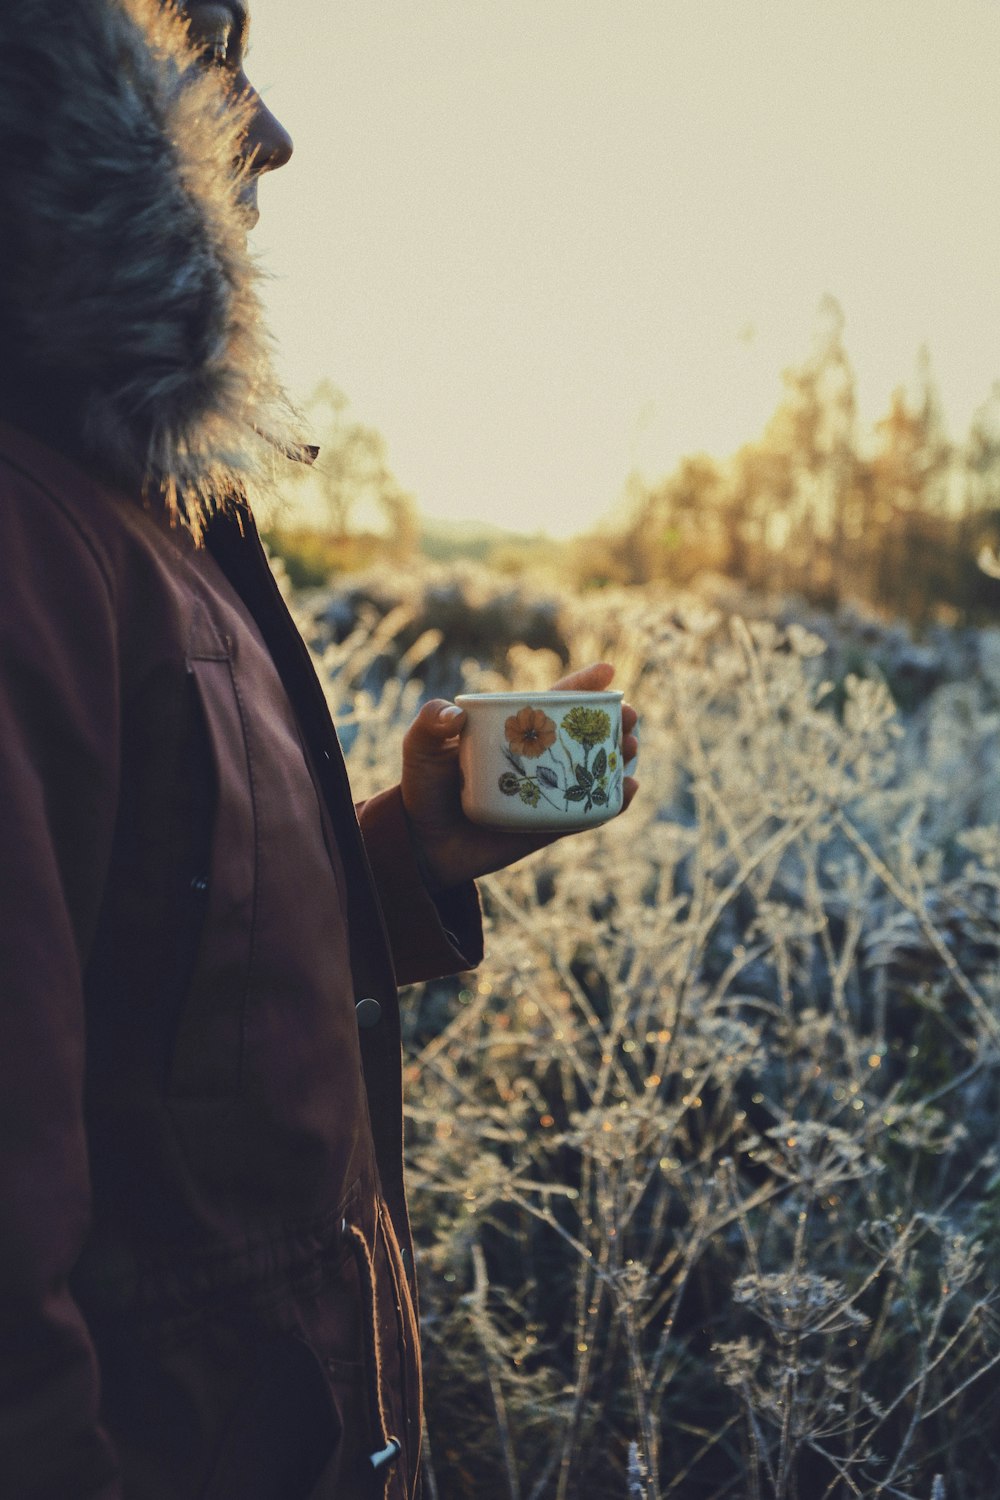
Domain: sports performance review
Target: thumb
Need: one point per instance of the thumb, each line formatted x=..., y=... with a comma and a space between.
x=592, y=679
x=436, y=722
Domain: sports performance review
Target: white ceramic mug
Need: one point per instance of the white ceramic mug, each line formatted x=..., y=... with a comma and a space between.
x=550, y=760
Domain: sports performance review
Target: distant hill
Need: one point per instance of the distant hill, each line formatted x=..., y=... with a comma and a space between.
x=479, y=541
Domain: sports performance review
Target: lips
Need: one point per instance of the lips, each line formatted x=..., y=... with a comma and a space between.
x=249, y=211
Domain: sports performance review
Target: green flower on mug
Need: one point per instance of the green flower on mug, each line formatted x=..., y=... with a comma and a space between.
x=544, y=766
x=588, y=726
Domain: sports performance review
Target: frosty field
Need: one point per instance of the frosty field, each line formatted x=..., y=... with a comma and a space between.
x=703, y=1160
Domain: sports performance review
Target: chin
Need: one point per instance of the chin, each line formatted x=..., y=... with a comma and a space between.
x=249, y=212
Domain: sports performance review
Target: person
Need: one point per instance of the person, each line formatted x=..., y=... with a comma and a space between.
x=206, y=1271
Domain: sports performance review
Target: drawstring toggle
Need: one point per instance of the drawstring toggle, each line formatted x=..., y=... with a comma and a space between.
x=387, y=1455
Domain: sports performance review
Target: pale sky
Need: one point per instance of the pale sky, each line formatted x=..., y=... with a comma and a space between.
x=539, y=243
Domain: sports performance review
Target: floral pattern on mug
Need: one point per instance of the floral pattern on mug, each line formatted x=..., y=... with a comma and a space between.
x=561, y=754
x=530, y=732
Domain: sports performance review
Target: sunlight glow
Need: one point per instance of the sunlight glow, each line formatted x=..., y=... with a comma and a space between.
x=539, y=245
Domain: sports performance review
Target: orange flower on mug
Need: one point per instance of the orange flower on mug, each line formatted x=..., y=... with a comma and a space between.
x=530, y=732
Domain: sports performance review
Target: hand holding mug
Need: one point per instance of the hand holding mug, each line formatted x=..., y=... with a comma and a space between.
x=530, y=742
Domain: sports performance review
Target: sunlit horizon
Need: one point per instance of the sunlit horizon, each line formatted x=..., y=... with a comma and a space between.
x=541, y=246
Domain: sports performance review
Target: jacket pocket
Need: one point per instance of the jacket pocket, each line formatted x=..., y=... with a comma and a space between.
x=209, y=1043
x=347, y=1474
x=286, y=1434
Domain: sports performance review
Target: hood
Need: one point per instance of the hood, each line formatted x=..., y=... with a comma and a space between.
x=131, y=332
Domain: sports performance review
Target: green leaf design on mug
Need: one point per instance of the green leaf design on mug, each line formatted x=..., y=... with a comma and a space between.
x=544, y=765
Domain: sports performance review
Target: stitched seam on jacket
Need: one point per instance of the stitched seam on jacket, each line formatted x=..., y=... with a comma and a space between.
x=402, y=1306
x=244, y=1021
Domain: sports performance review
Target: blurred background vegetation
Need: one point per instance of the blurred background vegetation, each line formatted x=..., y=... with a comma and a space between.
x=901, y=519
x=702, y=1160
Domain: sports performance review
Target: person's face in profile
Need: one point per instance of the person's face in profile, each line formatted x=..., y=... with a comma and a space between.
x=221, y=32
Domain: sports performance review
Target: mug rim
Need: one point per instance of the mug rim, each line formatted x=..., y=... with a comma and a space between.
x=548, y=695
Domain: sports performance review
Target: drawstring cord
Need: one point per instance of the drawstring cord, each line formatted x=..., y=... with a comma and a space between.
x=391, y=1446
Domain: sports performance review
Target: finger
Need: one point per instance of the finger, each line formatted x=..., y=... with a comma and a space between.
x=629, y=718
x=592, y=679
x=436, y=722
x=629, y=788
x=630, y=748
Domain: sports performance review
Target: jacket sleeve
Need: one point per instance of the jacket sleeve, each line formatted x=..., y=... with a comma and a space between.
x=58, y=777
x=430, y=936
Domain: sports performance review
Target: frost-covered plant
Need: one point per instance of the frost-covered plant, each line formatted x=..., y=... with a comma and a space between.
x=702, y=1159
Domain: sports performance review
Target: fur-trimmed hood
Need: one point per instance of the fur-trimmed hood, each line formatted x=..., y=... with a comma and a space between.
x=131, y=333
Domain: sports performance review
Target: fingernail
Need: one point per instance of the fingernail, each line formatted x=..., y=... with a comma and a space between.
x=451, y=712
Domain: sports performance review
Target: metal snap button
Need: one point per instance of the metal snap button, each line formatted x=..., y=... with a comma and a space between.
x=368, y=1013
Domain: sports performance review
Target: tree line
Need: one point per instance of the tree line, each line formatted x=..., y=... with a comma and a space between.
x=906, y=521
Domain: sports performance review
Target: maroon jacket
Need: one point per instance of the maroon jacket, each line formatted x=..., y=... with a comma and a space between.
x=206, y=1284
x=205, y=1264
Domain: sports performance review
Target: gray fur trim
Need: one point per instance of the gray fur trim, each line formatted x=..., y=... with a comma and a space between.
x=125, y=279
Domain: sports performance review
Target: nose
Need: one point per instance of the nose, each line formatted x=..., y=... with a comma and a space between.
x=268, y=143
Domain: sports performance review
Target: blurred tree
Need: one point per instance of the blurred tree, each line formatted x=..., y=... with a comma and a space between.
x=689, y=527
x=348, y=508
x=352, y=474
x=806, y=508
x=911, y=473
x=402, y=520
x=809, y=463
x=781, y=513
x=982, y=458
x=979, y=525
x=675, y=528
x=753, y=512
